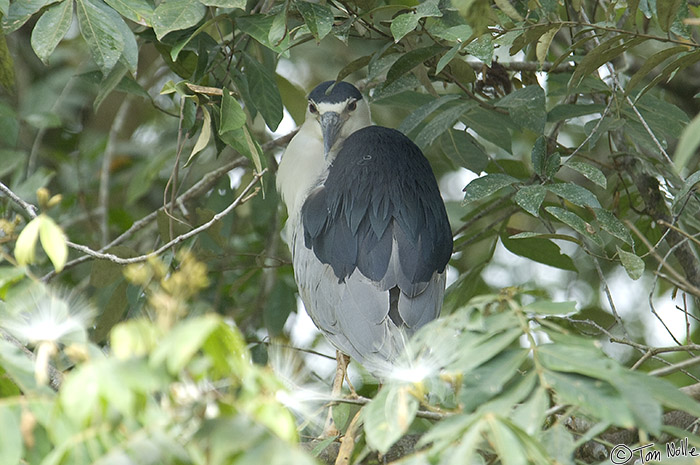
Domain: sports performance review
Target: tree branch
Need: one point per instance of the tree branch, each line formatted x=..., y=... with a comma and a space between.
x=242, y=198
x=31, y=210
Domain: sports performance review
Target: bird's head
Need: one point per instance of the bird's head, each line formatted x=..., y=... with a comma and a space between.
x=339, y=109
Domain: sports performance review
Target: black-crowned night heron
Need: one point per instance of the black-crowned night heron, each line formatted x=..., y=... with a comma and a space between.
x=367, y=227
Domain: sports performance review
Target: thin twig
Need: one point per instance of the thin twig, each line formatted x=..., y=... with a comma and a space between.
x=608, y=294
x=649, y=131
x=660, y=350
x=126, y=261
x=103, y=193
x=27, y=207
x=675, y=367
x=687, y=286
x=55, y=376
x=600, y=27
x=679, y=231
x=436, y=416
x=200, y=187
x=203, y=185
x=594, y=130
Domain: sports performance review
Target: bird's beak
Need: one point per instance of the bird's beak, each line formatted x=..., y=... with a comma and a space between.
x=330, y=127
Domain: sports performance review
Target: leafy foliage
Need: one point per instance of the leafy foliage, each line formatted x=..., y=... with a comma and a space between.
x=577, y=122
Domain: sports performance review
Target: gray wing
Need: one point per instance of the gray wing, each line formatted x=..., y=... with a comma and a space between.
x=379, y=214
x=353, y=314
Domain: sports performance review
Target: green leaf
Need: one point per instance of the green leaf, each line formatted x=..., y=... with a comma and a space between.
x=540, y=250
x=447, y=58
x=645, y=409
x=575, y=222
x=490, y=125
x=539, y=156
x=264, y=92
x=19, y=11
x=460, y=33
x=232, y=114
x=53, y=242
x=9, y=275
x=566, y=111
x=179, y=345
x=634, y=266
x=545, y=307
x=11, y=445
x=318, y=18
x=597, y=398
x=130, y=55
x=80, y=392
x=389, y=416
x=509, y=449
x=20, y=369
x=489, y=379
x=529, y=36
x=482, y=48
x=464, y=150
x=25, y=246
x=353, y=66
x=666, y=12
x=109, y=83
x=688, y=185
x=575, y=194
x=603, y=53
x=175, y=15
x=543, y=43
x=139, y=11
x=428, y=8
x=487, y=185
x=530, y=414
x=589, y=171
x=410, y=60
x=242, y=141
x=526, y=107
x=663, y=391
x=421, y=113
x=475, y=351
x=688, y=144
x=102, y=34
x=114, y=306
x=441, y=123
x=530, y=198
x=258, y=27
x=241, y=4
x=559, y=444
x=652, y=62
x=611, y=224
x=404, y=24
x=204, y=136
x=51, y=28
x=278, y=29
x=508, y=9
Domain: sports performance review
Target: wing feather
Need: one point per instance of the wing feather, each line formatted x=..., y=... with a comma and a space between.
x=375, y=223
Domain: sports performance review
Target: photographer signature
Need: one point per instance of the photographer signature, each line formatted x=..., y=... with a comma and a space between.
x=622, y=453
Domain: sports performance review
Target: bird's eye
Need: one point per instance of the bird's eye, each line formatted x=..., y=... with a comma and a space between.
x=352, y=105
x=312, y=108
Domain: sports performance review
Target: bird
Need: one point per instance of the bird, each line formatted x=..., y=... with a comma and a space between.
x=367, y=228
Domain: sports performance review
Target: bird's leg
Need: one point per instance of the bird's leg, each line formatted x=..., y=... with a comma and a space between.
x=341, y=371
x=344, y=360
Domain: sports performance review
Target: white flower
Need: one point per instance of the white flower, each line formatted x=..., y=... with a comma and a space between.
x=44, y=314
